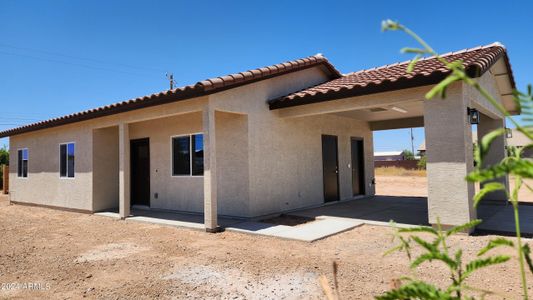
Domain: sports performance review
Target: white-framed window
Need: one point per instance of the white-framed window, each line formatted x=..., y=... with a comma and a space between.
x=22, y=165
x=187, y=155
x=66, y=160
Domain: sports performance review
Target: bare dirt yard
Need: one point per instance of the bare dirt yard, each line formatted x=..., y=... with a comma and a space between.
x=71, y=255
x=416, y=185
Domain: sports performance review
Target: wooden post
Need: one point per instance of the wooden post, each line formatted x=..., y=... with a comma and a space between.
x=5, y=179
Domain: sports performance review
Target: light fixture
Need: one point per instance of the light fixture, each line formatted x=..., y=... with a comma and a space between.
x=508, y=133
x=473, y=115
x=398, y=109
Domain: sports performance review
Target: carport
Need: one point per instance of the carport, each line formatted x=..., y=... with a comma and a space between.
x=390, y=98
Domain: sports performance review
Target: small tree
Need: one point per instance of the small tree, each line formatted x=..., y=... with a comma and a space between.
x=408, y=155
x=4, y=160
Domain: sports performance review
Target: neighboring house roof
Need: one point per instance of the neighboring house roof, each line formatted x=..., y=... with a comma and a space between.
x=388, y=153
x=518, y=139
x=395, y=76
x=201, y=88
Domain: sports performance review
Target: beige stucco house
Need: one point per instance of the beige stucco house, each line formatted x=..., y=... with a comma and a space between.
x=292, y=135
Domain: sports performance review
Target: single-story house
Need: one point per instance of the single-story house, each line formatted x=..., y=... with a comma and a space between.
x=282, y=137
x=388, y=155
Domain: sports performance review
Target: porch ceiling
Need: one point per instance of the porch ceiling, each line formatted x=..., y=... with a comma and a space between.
x=386, y=112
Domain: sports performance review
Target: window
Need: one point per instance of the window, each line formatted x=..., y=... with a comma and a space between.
x=188, y=155
x=22, y=166
x=66, y=160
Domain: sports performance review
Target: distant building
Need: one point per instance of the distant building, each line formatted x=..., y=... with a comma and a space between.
x=517, y=139
x=389, y=156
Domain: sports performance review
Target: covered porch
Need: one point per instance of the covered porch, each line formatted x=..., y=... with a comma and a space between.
x=448, y=133
x=137, y=175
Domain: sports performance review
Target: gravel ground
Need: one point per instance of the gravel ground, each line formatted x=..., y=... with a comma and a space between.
x=72, y=255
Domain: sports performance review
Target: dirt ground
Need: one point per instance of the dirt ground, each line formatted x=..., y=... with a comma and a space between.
x=72, y=255
x=417, y=186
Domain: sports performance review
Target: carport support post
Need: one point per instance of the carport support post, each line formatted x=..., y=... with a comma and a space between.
x=495, y=154
x=449, y=159
x=124, y=170
x=210, y=178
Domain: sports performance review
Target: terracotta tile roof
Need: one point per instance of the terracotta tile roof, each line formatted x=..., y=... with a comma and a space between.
x=202, y=88
x=393, y=77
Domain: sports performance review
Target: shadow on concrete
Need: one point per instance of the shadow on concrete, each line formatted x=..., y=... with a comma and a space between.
x=378, y=209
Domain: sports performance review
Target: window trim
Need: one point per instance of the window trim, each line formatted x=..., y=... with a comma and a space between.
x=28, y=160
x=59, y=161
x=190, y=135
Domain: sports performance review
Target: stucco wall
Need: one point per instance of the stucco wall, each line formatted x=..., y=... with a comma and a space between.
x=105, y=168
x=285, y=154
x=174, y=192
x=266, y=163
x=232, y=164
x=43, y=185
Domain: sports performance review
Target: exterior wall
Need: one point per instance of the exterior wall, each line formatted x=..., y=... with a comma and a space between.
x=105, y=168
x=43, y=185
x=174, y=192
x=232, y=164
x=474, y=99
x=285, y=154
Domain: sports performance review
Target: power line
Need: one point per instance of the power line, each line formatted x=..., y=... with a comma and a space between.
x=80, y=58
x=70, y=63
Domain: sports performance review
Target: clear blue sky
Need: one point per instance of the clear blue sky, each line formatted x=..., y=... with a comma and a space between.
x=59, y=57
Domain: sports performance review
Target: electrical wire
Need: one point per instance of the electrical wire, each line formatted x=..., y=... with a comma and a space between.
x=80, y=58
x=71, y=63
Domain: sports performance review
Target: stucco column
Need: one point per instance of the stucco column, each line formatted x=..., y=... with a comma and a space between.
x=496, y=153
x=210, y=178
x=124, y=170
x=449, y=159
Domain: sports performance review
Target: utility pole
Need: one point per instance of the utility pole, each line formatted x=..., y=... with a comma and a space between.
x=412, y=142
x=170, y=78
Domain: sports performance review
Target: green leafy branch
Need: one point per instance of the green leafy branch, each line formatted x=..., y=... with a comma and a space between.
x=514, y=164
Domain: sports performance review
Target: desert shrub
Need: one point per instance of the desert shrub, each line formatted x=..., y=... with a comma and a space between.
x=422, y=162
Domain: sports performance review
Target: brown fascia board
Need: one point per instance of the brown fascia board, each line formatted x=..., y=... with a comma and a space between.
x=202, y=88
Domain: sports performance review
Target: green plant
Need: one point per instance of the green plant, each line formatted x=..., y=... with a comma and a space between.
x=422, y=162
x=4, y=160
x=514, y=164
x=408, y=155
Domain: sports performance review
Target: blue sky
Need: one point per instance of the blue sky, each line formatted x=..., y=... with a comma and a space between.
x=59, y=57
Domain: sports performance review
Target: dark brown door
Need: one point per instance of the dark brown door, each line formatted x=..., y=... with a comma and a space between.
x=358, y=167
x=140, y=172
x=330, y=163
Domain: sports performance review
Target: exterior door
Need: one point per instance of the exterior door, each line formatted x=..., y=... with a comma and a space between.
x=358, y=167
x=140, y=172
x=330, y=163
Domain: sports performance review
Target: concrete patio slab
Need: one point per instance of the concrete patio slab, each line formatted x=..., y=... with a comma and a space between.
x=335, y=218
x=308, y=232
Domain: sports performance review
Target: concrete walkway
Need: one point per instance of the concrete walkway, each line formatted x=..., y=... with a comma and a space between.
x=170, y=218
x=308, y=232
